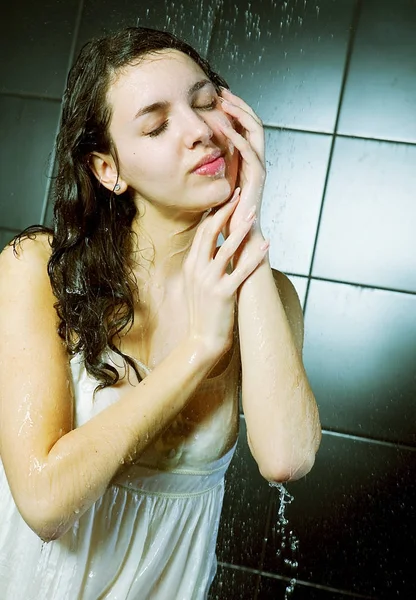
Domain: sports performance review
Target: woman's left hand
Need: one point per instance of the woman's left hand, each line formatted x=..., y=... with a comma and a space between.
x=250, y=145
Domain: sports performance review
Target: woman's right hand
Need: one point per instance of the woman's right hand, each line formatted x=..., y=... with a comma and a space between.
x=210, y=289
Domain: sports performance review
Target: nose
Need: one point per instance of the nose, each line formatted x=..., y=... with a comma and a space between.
x=195, y=129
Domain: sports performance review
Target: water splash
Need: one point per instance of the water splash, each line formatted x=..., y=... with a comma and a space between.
x=289, y=543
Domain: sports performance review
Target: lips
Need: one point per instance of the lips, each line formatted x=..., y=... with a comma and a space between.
x=210, y=164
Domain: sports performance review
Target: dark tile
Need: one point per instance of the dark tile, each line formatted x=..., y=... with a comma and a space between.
x=296, y=168
x=275, y=589
x=5, y=236
x=380, y=96
x=189, y=20
x=367, y=229
x=360, y=352
x=244, y=515
x=285, y=58
x=49, y=213
x=29, y=126
x=35, y=46
x=353, y=516
x=233, y=584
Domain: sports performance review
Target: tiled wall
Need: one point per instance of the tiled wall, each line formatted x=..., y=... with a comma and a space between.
x=335, y=84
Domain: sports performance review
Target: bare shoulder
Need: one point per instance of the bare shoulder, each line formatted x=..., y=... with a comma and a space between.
x=26, y=297
x=33, y=251
x=34, y=363
x=291, y=304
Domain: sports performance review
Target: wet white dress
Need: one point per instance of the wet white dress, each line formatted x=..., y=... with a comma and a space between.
x=152, y=535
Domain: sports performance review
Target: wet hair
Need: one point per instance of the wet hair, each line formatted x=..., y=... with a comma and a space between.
x=91, y=238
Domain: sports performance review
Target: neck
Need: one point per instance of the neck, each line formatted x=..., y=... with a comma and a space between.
x=164, y=237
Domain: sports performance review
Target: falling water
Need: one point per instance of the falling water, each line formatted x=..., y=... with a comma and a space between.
x=289, y=543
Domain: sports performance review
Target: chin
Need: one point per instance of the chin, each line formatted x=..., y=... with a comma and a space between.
x=223, y=192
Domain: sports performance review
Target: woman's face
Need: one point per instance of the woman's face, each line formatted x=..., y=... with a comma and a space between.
x=166, y=116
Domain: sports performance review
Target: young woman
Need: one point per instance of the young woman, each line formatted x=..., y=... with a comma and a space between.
x=124, y=333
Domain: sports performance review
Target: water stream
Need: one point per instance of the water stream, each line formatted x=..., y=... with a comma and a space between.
x=286, y=541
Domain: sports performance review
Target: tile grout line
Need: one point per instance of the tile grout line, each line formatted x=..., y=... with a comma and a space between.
x=339, y=135
x=351, y=41
x=365, y=286
x=300, y=582
x=361, y=438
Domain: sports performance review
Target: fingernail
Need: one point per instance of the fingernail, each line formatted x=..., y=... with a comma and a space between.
x=265, y=245
x=251, y=214
x=235, y=195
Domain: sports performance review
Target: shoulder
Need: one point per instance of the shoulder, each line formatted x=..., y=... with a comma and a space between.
x=291, y=304
x=32, y=246
x=26, y=256
x=24, y=281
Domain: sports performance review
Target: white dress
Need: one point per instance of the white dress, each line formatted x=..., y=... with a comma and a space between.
x=152, y=535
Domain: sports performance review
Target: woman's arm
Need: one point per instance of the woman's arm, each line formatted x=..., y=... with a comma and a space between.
x=280, y=409
x=282, y=418
x=56, y=472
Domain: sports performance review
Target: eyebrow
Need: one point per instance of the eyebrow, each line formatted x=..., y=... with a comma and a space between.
x=163, y=105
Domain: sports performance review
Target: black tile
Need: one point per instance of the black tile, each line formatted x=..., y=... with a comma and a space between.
x=35, y=46
x=244, y=515
x=49, y=213
x=360, y=351
x=29, y=126
x=275, y=589
x=233, y=584
x=5, y=236
x=296, y=168
x=285, y=58
x=189, y=20
x=354, y=516
x=367, y=228
x=380, y=95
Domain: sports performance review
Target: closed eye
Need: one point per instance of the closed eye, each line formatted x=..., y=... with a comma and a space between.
x=159, y=130
x=209, y=106
x=163, y=126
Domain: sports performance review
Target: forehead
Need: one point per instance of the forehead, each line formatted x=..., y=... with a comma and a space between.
x=155, y=74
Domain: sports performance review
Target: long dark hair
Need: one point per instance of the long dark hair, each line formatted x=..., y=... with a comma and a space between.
x=91, y=239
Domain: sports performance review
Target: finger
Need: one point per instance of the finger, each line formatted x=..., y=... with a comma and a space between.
x=212, y=226
x=250, y=122
x=246, y=266
x=194, y=250
x=237, y=101
x=254, y=130
x=233, y=242
x=251, y=155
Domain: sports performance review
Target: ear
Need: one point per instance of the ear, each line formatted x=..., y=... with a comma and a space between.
x=105, y=170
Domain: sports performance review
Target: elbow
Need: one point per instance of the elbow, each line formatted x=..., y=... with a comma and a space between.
x=45, y=520
x=282, y=471
x=46, y=529
x=282, y=466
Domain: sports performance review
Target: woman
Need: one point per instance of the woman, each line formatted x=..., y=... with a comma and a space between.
x=125, y=330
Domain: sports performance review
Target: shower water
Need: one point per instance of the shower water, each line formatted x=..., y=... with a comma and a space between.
x=289, y=543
